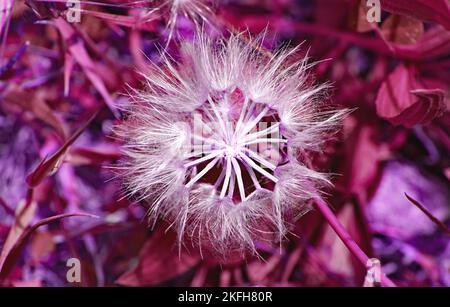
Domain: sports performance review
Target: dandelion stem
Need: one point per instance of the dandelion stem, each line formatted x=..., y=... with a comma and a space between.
x=346, y=238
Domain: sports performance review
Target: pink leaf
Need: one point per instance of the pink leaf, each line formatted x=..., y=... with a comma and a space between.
x=403, y=101
x=159, y=261
x=80, y=54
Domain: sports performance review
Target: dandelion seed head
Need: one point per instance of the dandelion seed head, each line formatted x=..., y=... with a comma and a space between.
x=211, y=143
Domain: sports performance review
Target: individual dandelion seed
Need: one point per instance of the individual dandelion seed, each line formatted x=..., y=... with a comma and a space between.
x=197, y=11
x=212, y=143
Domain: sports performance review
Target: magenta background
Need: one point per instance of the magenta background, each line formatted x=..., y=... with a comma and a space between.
x=396, y=141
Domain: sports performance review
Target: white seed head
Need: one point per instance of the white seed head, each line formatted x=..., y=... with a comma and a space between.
x=211, y=143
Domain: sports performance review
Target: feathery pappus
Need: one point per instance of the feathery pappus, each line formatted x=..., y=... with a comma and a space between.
x=199, y=12
x=212, y=142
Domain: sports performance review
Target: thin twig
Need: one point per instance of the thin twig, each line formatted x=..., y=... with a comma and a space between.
x=347, y=239
x=428, y=213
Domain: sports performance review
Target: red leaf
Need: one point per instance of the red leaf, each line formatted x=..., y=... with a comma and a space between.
x=403, y=100
x=435, y=10
x=159, y=261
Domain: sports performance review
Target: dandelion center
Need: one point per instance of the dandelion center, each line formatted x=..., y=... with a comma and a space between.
x=239, y=143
